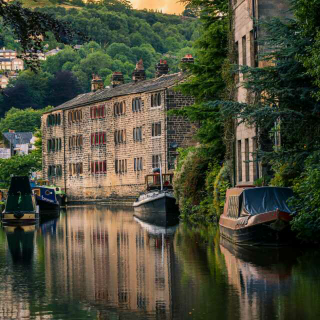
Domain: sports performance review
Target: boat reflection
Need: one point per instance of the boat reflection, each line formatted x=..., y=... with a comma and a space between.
x=157, y=230
x=259, y=275
x=21, y=240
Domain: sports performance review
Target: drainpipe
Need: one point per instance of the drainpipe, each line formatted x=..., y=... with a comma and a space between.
x=64, y=153
x=166, y=167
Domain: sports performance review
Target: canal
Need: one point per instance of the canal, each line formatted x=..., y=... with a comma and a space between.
x=100, y=263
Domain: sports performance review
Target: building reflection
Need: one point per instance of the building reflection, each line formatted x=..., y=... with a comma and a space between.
x=105, y=257
x=14, y=302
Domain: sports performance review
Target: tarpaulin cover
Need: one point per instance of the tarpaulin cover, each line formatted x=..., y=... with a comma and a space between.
x=266, y=199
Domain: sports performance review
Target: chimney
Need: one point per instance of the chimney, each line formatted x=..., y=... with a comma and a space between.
x=187, y=59
x=139, y=74
x=96, y=83
x=117, y=79
x=162, y=68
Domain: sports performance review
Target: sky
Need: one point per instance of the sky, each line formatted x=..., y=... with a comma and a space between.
x=167, y=6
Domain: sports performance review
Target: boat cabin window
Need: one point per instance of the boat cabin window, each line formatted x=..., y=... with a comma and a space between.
x=234, y=207
x=153, y=181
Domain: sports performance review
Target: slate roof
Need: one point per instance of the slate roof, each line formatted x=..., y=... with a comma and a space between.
x=18, y=137
x=6, y=50
x=154, y=84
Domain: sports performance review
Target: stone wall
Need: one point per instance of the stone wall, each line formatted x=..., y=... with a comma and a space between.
x=245, y=37
x=87, y=185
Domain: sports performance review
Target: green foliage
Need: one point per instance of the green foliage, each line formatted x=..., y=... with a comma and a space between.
x=200, y=185
x=221, y=185
x=122, y=36
x=281, y=93
x=18, y=165
x=28, y=120
x=306, y=202
x=31, y=27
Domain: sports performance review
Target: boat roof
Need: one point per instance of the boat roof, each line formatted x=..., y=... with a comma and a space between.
x=266, y=199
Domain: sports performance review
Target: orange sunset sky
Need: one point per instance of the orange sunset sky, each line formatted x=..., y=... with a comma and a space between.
x=167, y=6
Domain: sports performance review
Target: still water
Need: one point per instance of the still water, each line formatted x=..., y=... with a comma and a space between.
x=100, y=263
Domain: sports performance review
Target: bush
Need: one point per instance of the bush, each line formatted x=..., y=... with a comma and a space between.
x=200, y=185
x=306, y=201
x=221, y=185
x=189, y=180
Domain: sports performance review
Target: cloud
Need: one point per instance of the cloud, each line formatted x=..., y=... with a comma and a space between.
x=167, y=6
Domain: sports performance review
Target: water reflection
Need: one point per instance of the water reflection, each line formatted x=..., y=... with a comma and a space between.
x=101, y=263
x=21, y=243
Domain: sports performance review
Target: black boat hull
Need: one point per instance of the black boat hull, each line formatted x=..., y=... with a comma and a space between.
x=47, y=209
x=161, y=212
x=258, y=235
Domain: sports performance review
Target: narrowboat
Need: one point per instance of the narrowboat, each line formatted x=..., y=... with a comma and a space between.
x=158, y=205
x=257, y=216
x=49, y=206
x=21, y=205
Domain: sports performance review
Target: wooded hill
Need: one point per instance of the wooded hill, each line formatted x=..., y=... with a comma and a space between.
x=117, y=37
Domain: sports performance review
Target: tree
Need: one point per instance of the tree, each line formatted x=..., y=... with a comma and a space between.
x=206, y=84
x=31, y=27
x=63, y=87
x=30, y=89
x=28, y=120
x=308, y=17
x=19, y=166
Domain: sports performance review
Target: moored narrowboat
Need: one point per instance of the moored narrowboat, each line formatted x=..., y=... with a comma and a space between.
x=257, y=216
x=21, y=205
x=49, y=206
x=158, y=206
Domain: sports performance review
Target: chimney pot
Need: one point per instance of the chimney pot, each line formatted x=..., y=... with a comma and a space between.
x=188, y=58
x=96, y=83
x=117, y=79
x=162, y=68
x=139, y=74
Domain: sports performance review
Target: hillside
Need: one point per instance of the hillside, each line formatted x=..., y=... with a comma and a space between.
x=118, y=37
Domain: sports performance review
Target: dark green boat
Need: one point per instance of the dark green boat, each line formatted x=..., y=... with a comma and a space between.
x=21, y=205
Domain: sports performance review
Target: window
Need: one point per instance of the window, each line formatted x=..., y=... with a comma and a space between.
x=119, y=108
x=74, y=116
x=253, y=50
x=239, y=161
x=120, y=166
x=156, y=161
x=98, y=167
x=138, y=166
x=98, y=138
x=247, y=164
x=244, y=50
x=156, y=129
x=137, y=105
x=75, y=142
x=97, y=112
x=54, y=120
x=120, y=136
x=137, y=134
x=55, y=171
x=256, y=173
x=237, y=77
x=156, y=100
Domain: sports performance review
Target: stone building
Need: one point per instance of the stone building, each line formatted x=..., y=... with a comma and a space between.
x=246, y=14
x=103, y=143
